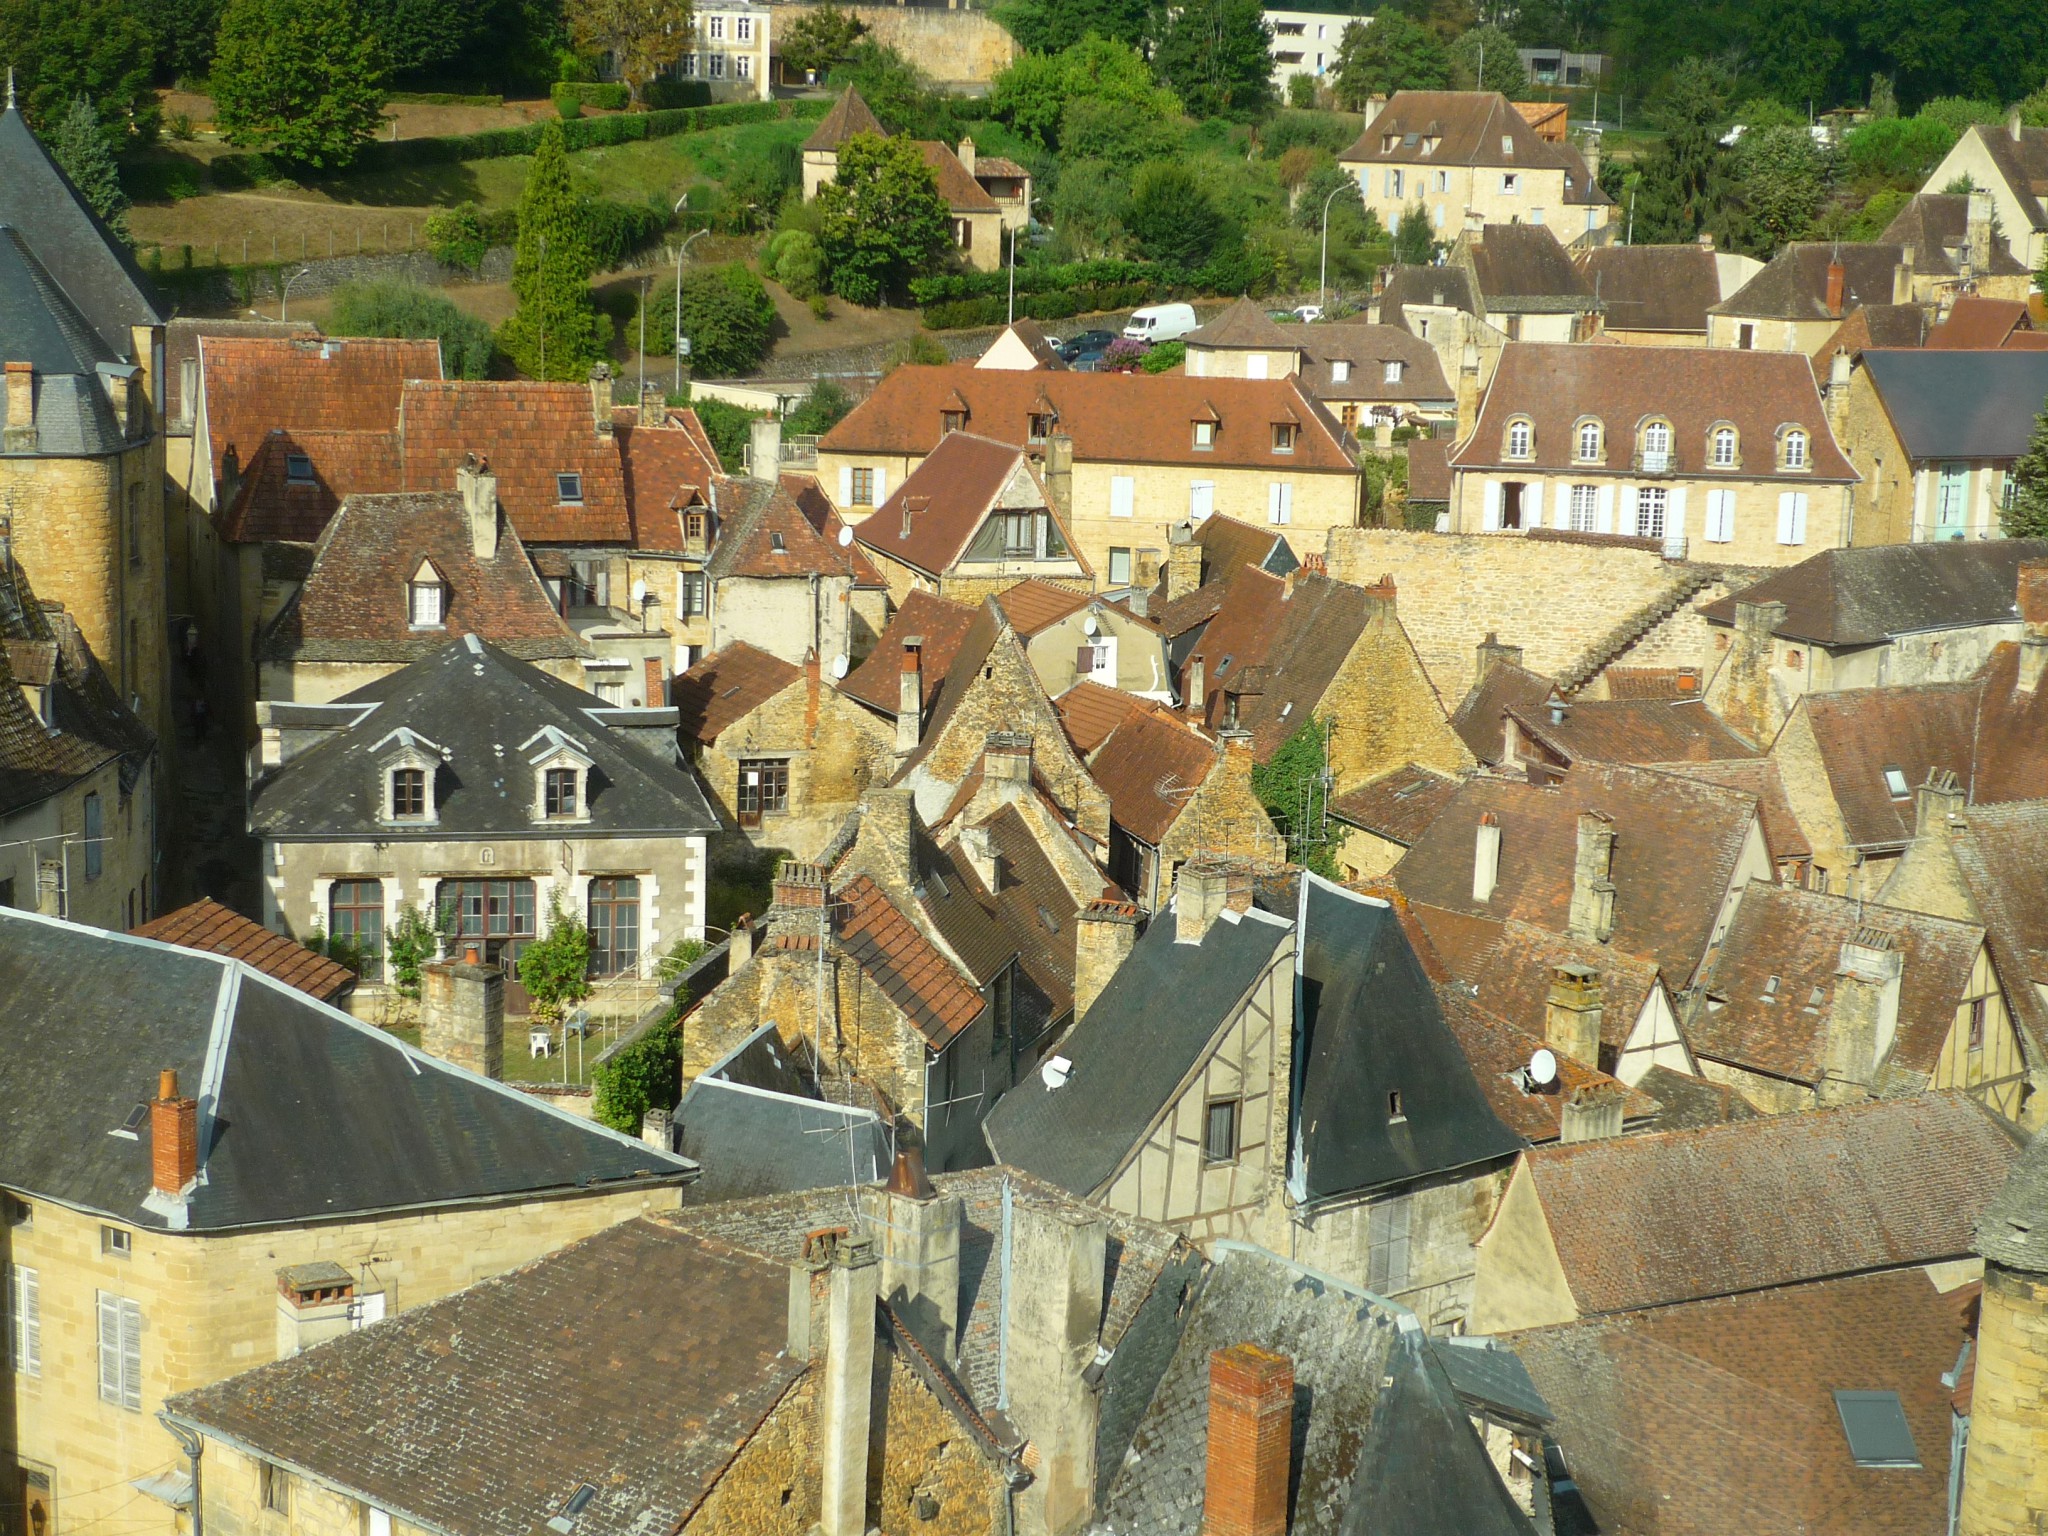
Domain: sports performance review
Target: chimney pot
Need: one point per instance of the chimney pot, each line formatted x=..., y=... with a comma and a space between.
x=1838, y=280
x=167, y=1084
x=1486, y=857
x=1251, y=1442
x=832, y=1294
x=174, y=1138
x=918, y=1230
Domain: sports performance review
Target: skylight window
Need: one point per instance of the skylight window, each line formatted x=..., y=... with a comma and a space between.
x=577, y=1503
x=298, y=469
x=1895, y=784
x=569, y=490
x=1875, y=1424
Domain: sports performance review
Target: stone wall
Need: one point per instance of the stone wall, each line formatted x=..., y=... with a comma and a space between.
x=233, y=289
x=2005, y=1484
x=837, y=750
x=1384, y=709
x=1224, y=818
x=954, y=47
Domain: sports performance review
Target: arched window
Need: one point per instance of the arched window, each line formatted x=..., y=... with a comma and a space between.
x=1589, y=441
x=1521, y=438
x=1723, y=450
x=1656, y=438
x=1795, y=449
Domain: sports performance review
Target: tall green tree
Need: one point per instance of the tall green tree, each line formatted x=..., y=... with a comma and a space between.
x=727, y=316
x=1217, y=55
x=422, y=38
x=1172, y=215
x=79, y=145
x=1087, y=209
x=1685, y=178
x=303, y=79
x=1392, y=52
x=642, y=36
x=1035, y=93
x=2027, y=517
x=1049, y=26
x=881, y=218
x=820, y=37
x=1780, y=179
x=1414, y=239
x=183, y=32
x=60, y=50
x=556, y=331
x=897, y=91
x=1484, y=59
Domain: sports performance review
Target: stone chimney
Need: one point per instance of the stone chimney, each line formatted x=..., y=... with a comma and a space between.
x=1589, y=151
x=832, y=1292
x=1468, y=387
x=1591, y=1113
x=764, y=449
x=1902, y=274
x=657, y=1130
x=50, y=887
x=478, y=488
x=1863, y=1017
x=1104, y=937
x=918, y=1230
x=314, y=1303
x=1006, y=758
x=967, y=155
x=1053, y=1323
x=1195, y=690
x=1494, y=654
x=1706, y=239
x=1183, y=561
x=799, y=899
x=462, y=1013
x=653, y=405
x=1475, y=226
x=1059, y=472
x=173, y=1138
x=19, y=434
x=983, y=857
x=1937, y=804
x=2032, y=603
x=2014, y=128
x=1978, y=232
x=885, y=846
x=1251, y=1442
x=1837, y=393
x=1200, y=891
x=1838, y=282
x=601, y=398
x=1572, y=1014
x=1750, y=702
x=910, y=697
x=1592, y=909
x=1486, y=857
x=739, y=948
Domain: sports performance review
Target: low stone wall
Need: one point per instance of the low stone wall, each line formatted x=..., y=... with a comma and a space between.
x=232, y=288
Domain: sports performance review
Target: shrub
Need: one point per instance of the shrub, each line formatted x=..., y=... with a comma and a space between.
x=796, y=261
x=665, y=95
x=1332, y=131
x=822, y=409
x=728, y=427
x=410, y=944
x=456, y=237
x=555, y=969
x=1120, y=356
x=1897, y=151
x=572, y=96
x=644, y=1074
x=820, y=306
x=618, y=231
x=1171, y=354
x=393, y=308
x=1301, y=90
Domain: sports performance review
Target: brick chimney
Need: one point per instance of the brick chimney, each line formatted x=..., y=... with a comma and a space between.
x=462, y=1013
x=1572, y=1013
x=1492, y=653
x=478, y=488
x=1592, y=909
x=1251, y=1442
x=1183, y=561
x=910, y=697
x=19, y=434
x=2032, y=603
x=832, y=1292
x=1053, y=1322
x=1200, y=890
x=173, y=1137
x=1486, y=857
x=1105, y=934
x=918, y=1230
x=1750, y=702
x=1838, y=282
x=653, y=405
x=1592, y=1113
x=1863, y=1018
x=601, y=398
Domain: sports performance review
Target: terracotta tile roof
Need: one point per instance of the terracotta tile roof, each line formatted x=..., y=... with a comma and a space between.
x=929, y=520
x=2001, y=852
x=1643, y=1221
x=181, y=346
x=1974, y=324
x=1632, y=731
x=768, y=538
x=1770, y=983
x=942, y=624
x=1757, y=776
x=1480, y=718
x=1228, y=547
x=1429, y=469
x=1676, y=847
x=208, y=926
x=969, y=660
x=1654, y=287
x=1089, y=711
x=1399, y=805
x=531, y=434
x=270, y=506
x=818, y=511
x=1031, y=916
x=1498, y=1053
x=256, y=383
x=1146, y=767
x=1694, y=388
x=725, y=687
x=1864, y=731
x=1652, y=682
x=963, y=194
x=1033, y=605
x=1117, y=418
x=1274, y=646
x=2010, y=746
x=1720, y=1415
x=1690, y=1102
x=664, y=470
x=1426, y=287
x=921, y=981
x=352, y=606
x=849, y=115
x=1243, y=325
x=1510, y=964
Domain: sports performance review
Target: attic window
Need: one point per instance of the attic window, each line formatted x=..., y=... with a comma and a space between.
x=576, y=1503
x=1340, y=370
x=1874, y=1423
x=1507, y=144
x=1393, y=373
x=569, y=490
x=561, y=791
x=426, y=598
x=952, y=421
x=408, y=794
x=1205, y=434
x=298, y=469
x=1895, y=784
x=1395, y=1109
x=1770, y=988
x=775, y=543
x=1284, y=433
x=1037, y=427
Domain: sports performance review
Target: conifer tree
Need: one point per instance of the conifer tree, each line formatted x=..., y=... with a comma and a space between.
x=79, y=145
x=556, y=331
x=2027, y=517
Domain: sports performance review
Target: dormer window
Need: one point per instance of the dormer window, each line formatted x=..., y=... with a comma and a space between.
x=694, y=527
x=1283, y=436
x=775, y=543
x=569, y=489
x=1038, y=427
x=952, y=421
x=298, y=469
x=1656, y=447
x=1521, y=442
x=408, y=794
x=560, y=792
x=426, y=598
x=1792, y=450
x=1722, y=448
x=1392, y=374
x=1507, y=145
x=1340, y=371
x=1205, y=434
x=1588, y=442
x=561, y=775
x=406, y=765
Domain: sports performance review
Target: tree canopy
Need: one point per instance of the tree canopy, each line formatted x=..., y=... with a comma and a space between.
x=60, y=50
x=79, y=145
x=302, y=79
x=642, y=35
x=1392, y=53
x=881, y=218
x=2027, y=517
x=1171, y=214
x=1217, y=54
x=556, y=331
x=820, y=37
x=392, y=308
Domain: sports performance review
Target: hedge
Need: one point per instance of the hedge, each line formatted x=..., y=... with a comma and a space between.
x=663, y=94
x=441, y=99
x=964, y=300
x=572, y=96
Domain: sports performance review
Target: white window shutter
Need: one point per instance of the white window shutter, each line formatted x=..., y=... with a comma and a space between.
x=110, y=1347
x=1123, y=495
x=1201, y=499
x=881, y=486
x=845, y=485
x=1255, y=365
x=1785, y=518
x=29, y=1297
x=1799, y=517
x=1674, y=514
x=1603, y=510
x=1273, y=501
x=1562, y=516
x=131, y=1354
x=1720, y=516
x=1629, y=496
x=1490, y=516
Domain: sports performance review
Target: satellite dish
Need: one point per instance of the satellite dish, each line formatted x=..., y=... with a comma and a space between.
x=845, y=536
x=838, y=667
x=1542, y=1068
x=640, y=593
x=1088, y=626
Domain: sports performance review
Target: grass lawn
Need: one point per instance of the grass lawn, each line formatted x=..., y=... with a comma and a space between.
x=521, y=1066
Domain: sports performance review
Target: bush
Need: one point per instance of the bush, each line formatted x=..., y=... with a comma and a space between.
x=822, y=409
x=1896, y=151
x=663, y=94
x=393, y=308
x=619, y=231
x=571, y=97
x=796, y=260
x=645, y=1074
x=820, y=306
x=1332, y=131
x=443, y=99
x=1960, y=113
x=1301, y=90
x=728, y=427
x=456, y=237
x=1171, y=354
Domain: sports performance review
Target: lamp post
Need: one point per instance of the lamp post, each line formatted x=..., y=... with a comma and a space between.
x=1323, y=288
x=680, y=251
x=284, y=302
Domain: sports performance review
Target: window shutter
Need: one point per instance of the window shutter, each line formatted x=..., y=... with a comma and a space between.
x=881, y=486
x=29, y=1298
x=131, y=1355
x=1255, y=365
x=1490, y=517
x=1785, y=518
x=1201, y=499
x=110, y=1347
x=1629, y=519
x=845, y=485
x=1603, y=510
x=1562, y=517
x=1720, y=516
x=1674, y=514
x=1279, y=502
x=1123, y=494
x=1799, y=517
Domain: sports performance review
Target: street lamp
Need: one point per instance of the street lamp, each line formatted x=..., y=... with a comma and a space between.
x=680, y=250
x=284, y=302
x=1323, y=289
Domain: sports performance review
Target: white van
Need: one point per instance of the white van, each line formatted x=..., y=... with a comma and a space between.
x=1161, y=322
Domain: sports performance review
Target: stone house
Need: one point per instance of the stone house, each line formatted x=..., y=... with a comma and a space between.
x=2004, y=1474
x=1076, y=637
x=174, y=1214
x=1202, y=559
x=1366, y=375
x=1527, y=286
x=1659, y=295
x=972, y=520
x=1934, y=434
x=1022, y=344
x=1454, y=153
x=79, y=772
x=784, y=755
x=1803, y=293
x=81, y=427
x=930, y=625
x=784, y=577
x=1727, y=456
x=1125, y=457
x=473, y=787
x=2008, y=160
x=1902, y=1183
x=1441, y=306
x=732, y=49
x=1812, y=1000
x=1954, y=236
x=1378, y=821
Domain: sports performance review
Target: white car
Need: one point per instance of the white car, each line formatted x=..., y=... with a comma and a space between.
x=1308, y=314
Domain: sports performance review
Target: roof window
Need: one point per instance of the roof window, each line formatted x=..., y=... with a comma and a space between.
x=775, y=543
x=573, y=1506
x=569, y=489
x=1876, y=1428
x=1895, y=783
x=298, y=469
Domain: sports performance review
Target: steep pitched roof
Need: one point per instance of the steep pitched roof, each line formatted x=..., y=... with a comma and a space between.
x=1872, y=325
x=1034, y=604
x=1793, y=284
x=271, y=505
x=1246, y=325
x=1032, y=913
x=1367, y=349
x=1937, y=226
x=217, y=930
x=1499, y=1053
x=906, y=965
x=532, y=434
x=1687, y=1103
x=1865, y=731
x=254, y=384
x=1961, y=405
x=1506, y=968
x=767, y=537
x=931, y=518
x=1147, y=767
x=665, y=468
x=939, y=622
x=1275, y=645
x=1654, y=287
x=1524, y=268
x=2022, y=161
x=1976, y=324
x=1632, y=731
x=725, y=687
x=2011, y=1232
x=256, y=1052
x=1479, y=128
x=1757, y=776
x=1644, y=1221
x=849, y=115
x=1852, y=597
x=1480, y=718
x=39, y=325
x=1089, y=712
x=957, y=187
x=1228, y=546
x=1430, y=287
x=181, y=346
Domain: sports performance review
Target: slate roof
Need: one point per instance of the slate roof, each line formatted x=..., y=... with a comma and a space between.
x=1382, y=1440
x=352, y=605
x=941, y=623
x=1960, y=405
x=1398, y=805
x=849, y=115
x=1852, y=597
x=530, y=433
x=254, y=384
x=752, y=1142
x=2001, y=853
x=1644, y=1221
x=1793, y=284
x=1524, y=269
x=540, y=1383
x=39, y=324
x=208, y=926
x=1654, y=287
x=1129, y=1055
x=1112, y=417
x=257, y=1054
x=1632, y=731
x=1695, y=388
x=929, y=520
x=1720, y=1415
x=1480, y=718
x=1371, y=1026
x=270, y=506
x=472, y=700
x=2013, y=1231
x=1433, y=287
x=725, y=687
x=1146, y=767
x=1937, y=226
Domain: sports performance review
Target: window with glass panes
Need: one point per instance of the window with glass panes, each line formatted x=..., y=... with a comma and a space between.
x=763, y=786
x=497, y=913
x=1585, y=508
x=408, y=792
x=560, y=792
x=355, y=913
x=614, y=924
x=1651, y=502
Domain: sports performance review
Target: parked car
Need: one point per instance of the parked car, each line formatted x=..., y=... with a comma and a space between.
x=1308, y=314
x=1161, y=322
x=1086, y=361
x=1074, y=347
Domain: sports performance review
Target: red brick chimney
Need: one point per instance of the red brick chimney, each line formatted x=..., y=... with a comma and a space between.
x=174, y=1137
x=1838, y=282
x=1251, y=1440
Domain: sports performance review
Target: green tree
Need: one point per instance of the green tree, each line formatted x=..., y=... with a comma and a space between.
x=1294, y=786
x=1217, y=55
x=1087, y=209
x=1036, y=93
x=1884, y=101
x=1172, y=215
x=1301, y=91
x=1685, y=179
x=2034, y=109
x=1392, y=53
x=456, y=236
x=60, y=50
x=183, y=31
x=897, y=91
x=819, y=411
x=80, y=148
x=422, y=38
x=2027, y=517
x=1414, y=238
x=1166, y=356
x=1048, y=26
x=727, y=316
x=1493, y=48
x=796, y=260
x=641, y=35
x=820, y=37
x=1876, y=215
x=1097, y=128
x=555, y=332
x=393, y=308
x=882, y=220
x=1780, y=181
x=1960, y=113
x=1895, y=151
x=916, y=350
x=643, y=1074
x=302, y=79
x=410, y=944
x=555, y=968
